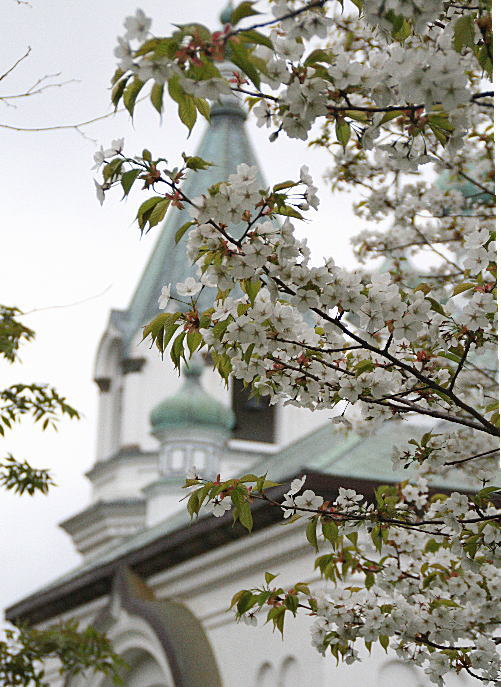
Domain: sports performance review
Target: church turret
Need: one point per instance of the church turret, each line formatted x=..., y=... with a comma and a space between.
x=193, y=428
x=132, y=379
x=226, y=145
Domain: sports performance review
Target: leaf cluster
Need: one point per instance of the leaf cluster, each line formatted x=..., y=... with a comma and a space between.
x=25, y=649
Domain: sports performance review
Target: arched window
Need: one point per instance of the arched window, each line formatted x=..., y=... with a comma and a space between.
x=290, y=673
x=108, y=376
x=266, y=676
x=255, y=417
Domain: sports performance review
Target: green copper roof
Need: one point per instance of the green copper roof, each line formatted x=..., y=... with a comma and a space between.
x=225, y=144
x=328, y=450
x=191, y=406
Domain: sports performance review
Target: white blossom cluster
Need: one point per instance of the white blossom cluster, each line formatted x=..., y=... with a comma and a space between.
x=318, y=341
x=428, y=599
x=397, y=87
x=419, y=75
x=293, y=339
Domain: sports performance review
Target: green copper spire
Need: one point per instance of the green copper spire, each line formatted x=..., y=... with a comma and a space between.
x=191, y=407
x=225, y=144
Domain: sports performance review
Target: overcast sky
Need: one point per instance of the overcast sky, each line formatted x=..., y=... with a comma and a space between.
x=59, y=247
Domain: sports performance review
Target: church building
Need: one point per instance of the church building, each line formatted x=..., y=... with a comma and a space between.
x=158, y=585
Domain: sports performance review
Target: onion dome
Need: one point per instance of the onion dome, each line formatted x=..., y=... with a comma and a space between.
x=191, y=407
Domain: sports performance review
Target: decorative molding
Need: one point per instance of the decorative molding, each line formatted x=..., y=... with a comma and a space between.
x=129, y=365
x=191, y=663
x=104, y=384
x=104, y=523
x=128, y=454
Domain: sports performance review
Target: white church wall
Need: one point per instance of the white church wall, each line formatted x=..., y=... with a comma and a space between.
x=110, y=397
x=206, y=585
x=295, y=423
x=125, y=478
x=157, y=380
x=249, y=656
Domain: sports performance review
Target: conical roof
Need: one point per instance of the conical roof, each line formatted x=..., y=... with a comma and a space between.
x=191, y=407
x=225, y=144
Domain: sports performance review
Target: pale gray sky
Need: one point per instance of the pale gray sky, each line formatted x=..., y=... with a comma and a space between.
x=59, y=246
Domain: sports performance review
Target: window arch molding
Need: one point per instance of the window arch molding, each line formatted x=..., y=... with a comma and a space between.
x=290, y=672
x=265, y=676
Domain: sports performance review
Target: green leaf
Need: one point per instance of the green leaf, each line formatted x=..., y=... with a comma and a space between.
x=269, y=577
x=277, y=616
x=146, y=47
x=343, y=131
x=311, y=532
x=370, y=580
x=240, y=58
x=488, y=491
x=251, y=287
x=117, y=75
x=161, y=329
x=384, y=641
x=284, y=185
x=128, y=179
x=292, y=603
x=168, y=333
x=403, y=32
x=330, y=531
x=177, y=350
x=195, y=162
x=241, y=11
x=441, y=121
x=317, y=56
x=130, y=95
x=357, y=116
x=436, y=306
x=158, y=212
x=245, y=602
x=157, y=97
x=146, y=208
x=187, y=112
x=166, y=47
x=194, y=29
x=175, y=89
x=450, y=356
x=464, y=33
x=364, y=366
x=245, y=516
x=236, y=597
x=288, y=212
x=117, y=91
x=112, y=168
x=292, y=519
x=193, y=504
x=193, y=339
x=377, y=538
x=249, y=477
x=465, y=286
x=388, y=116
x=203, y=107
x=256, y=37
x=183, y=229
